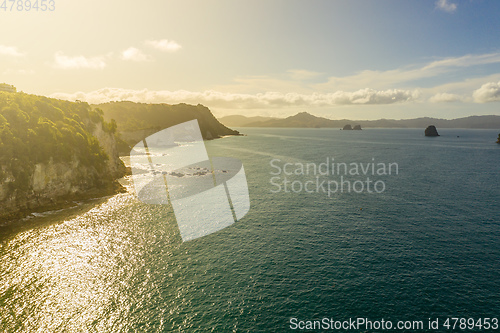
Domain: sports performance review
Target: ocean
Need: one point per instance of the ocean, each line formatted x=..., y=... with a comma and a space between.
x=374, y=225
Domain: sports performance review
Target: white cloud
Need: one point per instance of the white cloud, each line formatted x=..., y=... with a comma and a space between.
x=446, y=98
x=465, y=61
x=446, y=6
x=164, y=45
x=10, y=51
x=463, y=87
x=230, y=100
x=302, y=74
x=393, y=77
x=489, y=92
x=65, y=62
x=134, y=54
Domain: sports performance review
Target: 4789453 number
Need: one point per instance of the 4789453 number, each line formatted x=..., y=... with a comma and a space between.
x=471, y=323
x=27, y=5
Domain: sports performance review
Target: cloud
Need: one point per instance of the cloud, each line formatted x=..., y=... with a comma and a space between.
x=10, y=51
x=489, y=92
x=231, y=100
x=164, y=45
x=135, y=54
x=446, y=98
x=371, y=96
x=302, y=74
x=446, y=6
x=465, y=61
x=65, y=62
x=390, y=78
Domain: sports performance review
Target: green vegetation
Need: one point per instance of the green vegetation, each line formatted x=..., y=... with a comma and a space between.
x=36, y=129
x=140, y=116
x=7, y=87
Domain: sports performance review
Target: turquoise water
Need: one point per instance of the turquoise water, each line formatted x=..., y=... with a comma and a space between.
x=428, y=246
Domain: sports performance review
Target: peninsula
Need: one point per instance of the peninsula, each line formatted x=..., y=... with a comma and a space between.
x=54, y=151
x=135, y=121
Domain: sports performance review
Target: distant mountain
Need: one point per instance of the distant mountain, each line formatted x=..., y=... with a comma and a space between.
x=306, y=120
x=241, y=121
x=302, y=119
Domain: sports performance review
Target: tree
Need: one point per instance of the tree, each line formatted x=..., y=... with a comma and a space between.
x=37, y=129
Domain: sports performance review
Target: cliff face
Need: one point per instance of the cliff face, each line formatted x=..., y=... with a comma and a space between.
x=108, y=143
x=53, y=152
x=50, y=184
x=58, y=183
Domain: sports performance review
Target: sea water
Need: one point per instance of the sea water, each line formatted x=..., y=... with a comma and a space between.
x=425, y=247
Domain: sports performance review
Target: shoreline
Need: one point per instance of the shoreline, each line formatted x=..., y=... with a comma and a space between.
x=68, y=201
x=65, y=202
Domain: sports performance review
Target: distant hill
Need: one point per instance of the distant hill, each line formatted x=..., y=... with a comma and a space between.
x=241, y=121
x=136, y=121
x=306, y=120
x=302, y=119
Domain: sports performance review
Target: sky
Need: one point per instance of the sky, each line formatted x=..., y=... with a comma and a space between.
x=355, y=59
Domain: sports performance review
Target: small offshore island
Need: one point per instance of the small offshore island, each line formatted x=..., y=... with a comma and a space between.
x=348, y=127
x=431, y=131
x=53, y=152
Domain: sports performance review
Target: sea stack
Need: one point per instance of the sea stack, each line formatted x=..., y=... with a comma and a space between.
x=357, y=128
x=347, y=127
x=431, y=131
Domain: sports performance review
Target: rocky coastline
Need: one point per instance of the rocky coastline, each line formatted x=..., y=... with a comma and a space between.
x=76, y=156
x=56, y=185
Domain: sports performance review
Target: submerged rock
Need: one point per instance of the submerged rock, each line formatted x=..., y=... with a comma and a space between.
x=431, y=131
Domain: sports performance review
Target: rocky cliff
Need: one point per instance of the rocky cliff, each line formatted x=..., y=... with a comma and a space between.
x=108, y=143
x=53, y=152
x=53, y=184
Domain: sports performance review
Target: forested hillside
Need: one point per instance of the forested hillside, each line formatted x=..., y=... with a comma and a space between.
x=50, y=148
x=137, y=120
